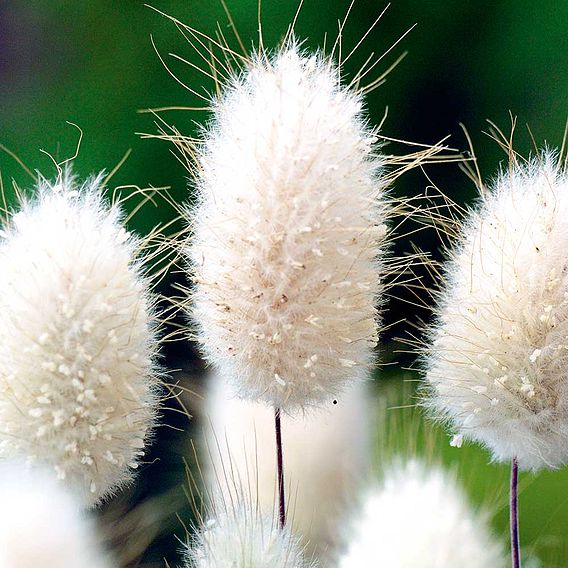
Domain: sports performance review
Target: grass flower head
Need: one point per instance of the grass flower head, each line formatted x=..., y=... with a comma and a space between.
x=41, y=525
x=288, y=232
x=419, y=518
x=240, y=536
x=77, y=346
x=326, y=459
x=498, y=360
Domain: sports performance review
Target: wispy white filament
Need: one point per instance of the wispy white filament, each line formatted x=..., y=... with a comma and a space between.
x=240, y=536
x=77, y=375
x=419, y=518
x=40, y=524
x=498, y=361
x=287, y=233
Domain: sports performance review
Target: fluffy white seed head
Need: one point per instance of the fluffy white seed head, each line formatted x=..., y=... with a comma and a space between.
x=325, y=459
x=40, y=524
x=419, y=518
x=498, y=361
x=77, y=386
x=240, y=536
x=287, y=233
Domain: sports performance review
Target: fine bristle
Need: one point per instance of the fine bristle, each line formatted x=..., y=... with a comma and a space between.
x=238, y=535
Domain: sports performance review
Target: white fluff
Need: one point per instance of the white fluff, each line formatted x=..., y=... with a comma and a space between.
x=498, y=364
x=77, y=377
x=325, y=458
x=419, y=518
x=287, y=233
x=40, y=524
x=239, y=536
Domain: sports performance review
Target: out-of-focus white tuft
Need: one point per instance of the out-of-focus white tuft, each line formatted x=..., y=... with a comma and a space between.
x=238, y=535
x=498, y=360
x=420, y=519
x=325, y=459
x=77, y=346
x=40, y=524
x=288, y=233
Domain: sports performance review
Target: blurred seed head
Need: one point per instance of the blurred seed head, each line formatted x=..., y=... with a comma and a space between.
x=326, y=458
x=41, y=524
x=419, y=518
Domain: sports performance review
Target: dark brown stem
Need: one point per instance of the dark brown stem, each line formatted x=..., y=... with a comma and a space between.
x=280, y=468
x=514, y=510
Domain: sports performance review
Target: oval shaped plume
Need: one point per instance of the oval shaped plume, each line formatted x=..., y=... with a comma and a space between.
x=288, y=233
x=420, y=518
x=77, y=342
x=498, y=359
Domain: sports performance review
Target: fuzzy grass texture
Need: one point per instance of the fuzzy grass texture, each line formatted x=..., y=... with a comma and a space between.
x=78, y=386
x=288, y=232
x=238, y=535
x=419, y=518
x=498, y=358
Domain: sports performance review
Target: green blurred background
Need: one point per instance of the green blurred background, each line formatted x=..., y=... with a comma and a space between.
x=92, y=63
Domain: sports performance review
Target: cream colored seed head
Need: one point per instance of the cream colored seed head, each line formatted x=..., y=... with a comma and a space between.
x=419, y=518
x=77, y=370
x=498, y=360
x=287, y=233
